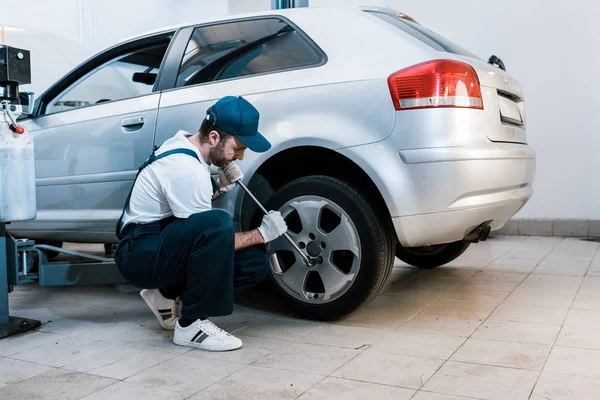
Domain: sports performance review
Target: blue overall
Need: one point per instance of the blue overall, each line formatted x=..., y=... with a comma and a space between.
x=193, y=257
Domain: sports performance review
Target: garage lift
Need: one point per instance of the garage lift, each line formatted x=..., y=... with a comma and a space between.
x=21, y=260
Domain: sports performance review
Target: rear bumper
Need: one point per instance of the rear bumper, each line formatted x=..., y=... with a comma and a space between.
x=464, y=187
x=440, y=194
x=451, y=226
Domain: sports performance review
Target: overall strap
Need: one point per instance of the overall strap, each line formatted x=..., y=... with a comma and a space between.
x=149, y=161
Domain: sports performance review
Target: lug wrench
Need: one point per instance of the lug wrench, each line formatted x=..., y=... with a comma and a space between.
x=307, y=260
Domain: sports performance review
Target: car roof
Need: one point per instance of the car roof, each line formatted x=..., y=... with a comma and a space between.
x=285, y=12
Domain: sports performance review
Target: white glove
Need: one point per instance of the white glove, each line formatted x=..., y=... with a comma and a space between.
x=273, y=225
x=229, y=175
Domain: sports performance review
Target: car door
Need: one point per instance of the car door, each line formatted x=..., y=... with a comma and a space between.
x=91, y=132
x=234, y=57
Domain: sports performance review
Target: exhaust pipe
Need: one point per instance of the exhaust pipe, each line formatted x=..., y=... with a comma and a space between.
x=480, y=233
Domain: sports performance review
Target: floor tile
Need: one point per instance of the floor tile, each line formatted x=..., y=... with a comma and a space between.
x=43, y=315
x=572, y=361
x=523, y=332
x=566, y=387
x=343, y=389
x=378, y=319
x=253, y=349
x=353, y=337
x=559, y=267
x=424, y=395
x=17, y=344
x=482, y=381
x=540, y=299
x=57, y=384
x=130, y=391
x=280, y=328
x=503, y=354
x=476, y=296
x=542, y=315
x=504, y=266
x=71, y=327
x=586, y=303
x=161, y=341
x=108, y=357
x=63, y=352
x=458, y=308
x=406, y=298
x=583, y=318
x=482, y=285
x=303, y=357
x=501, y=292
x=13, y=371
x=132, y=364
x=498, y=276
x=440, y=279
x=390, y=369
x=198, y=374
x=418, y=344
x=258, y=383
x=579, y=337
x=442, y=325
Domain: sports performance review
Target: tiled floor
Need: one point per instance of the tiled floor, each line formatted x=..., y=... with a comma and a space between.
x=513, y=318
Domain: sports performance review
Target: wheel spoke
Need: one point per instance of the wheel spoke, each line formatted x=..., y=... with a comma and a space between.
x=333, y=279
x=295, y=278
x=281, y=243
x=309, y=213
x=343, y=237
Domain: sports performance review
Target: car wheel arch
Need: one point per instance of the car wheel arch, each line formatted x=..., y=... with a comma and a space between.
x=274, y=172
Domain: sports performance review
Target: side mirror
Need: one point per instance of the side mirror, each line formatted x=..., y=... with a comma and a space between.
x=144, y=77
x=27, y=102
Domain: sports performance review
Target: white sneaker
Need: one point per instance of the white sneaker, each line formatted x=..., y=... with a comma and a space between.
x=205, y=335
x=164, y=309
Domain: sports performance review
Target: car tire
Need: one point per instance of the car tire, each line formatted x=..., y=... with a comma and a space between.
x=360, y=226
x=428, y=257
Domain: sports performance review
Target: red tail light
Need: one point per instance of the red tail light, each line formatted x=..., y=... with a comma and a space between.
x=436, y=84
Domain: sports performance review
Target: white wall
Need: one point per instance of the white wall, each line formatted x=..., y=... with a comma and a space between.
x=552, y=48
x=62, y=33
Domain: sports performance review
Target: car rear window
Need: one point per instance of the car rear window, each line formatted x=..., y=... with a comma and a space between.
x=242, y=48
x=423, y=34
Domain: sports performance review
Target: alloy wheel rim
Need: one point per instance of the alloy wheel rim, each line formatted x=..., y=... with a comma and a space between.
x=320, y=227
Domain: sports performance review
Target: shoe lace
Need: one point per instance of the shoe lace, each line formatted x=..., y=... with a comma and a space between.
x=212, y=329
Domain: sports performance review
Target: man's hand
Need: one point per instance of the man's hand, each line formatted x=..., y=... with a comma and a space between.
x=229, y=175
x=273, y=225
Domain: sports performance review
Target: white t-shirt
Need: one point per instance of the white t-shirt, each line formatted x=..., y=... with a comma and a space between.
x=176, y=185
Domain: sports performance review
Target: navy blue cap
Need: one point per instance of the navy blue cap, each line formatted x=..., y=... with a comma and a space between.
x=235, y=115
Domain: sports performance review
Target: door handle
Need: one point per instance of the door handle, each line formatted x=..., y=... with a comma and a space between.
x=139, y=120
x=132, y=123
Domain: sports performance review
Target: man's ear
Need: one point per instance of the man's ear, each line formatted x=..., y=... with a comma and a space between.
x=213, y=137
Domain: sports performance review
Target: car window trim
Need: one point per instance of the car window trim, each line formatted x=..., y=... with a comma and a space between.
x=172, y=78
x=167, y=75
x=87, y=75
x=92, y=64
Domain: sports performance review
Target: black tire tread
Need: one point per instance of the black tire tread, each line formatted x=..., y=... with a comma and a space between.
x=384, y=240
x=447, y=253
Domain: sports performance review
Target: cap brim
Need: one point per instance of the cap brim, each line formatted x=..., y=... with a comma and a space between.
x=257, y=143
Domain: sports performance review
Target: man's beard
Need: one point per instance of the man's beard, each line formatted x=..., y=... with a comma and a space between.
x=217, y=155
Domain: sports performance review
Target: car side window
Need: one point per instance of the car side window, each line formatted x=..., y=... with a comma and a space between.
x=243, y=48
x=127, y=76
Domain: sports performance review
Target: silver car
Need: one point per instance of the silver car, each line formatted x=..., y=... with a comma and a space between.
x=387, y=140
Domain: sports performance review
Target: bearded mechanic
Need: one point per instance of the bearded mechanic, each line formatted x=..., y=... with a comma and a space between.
x=176, y=247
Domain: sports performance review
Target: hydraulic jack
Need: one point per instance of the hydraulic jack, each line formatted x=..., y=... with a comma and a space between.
x=21, y=260
x=17, y=173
